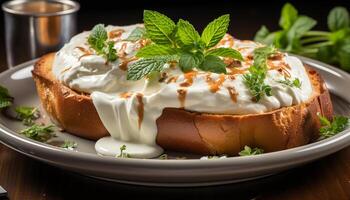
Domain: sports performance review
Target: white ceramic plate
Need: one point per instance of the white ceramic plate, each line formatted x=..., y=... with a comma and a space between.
x=189, y=172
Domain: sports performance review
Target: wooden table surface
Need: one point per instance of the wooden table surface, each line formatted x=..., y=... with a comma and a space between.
x=28, y=179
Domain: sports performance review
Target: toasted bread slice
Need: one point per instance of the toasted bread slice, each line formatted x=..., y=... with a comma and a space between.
x=194, y=132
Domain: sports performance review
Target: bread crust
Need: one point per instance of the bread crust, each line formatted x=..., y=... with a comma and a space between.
x=72, y=111
x=186, y=131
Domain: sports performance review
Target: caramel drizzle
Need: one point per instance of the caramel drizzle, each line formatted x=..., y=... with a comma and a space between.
x=235, y=71
x=233, y=93
x=188, y=79
x=282, y=68
x=124, y=64
x=85, y=51
x=214, y=86
x=227, y=39
x=143, y=42
x=121, y=52
x=65, y=69
x=182, y=97
x=125, y=95
x=140, y=108
x=116, y=33
x=172, y=79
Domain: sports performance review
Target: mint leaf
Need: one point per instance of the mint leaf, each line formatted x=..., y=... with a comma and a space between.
x=299, y=28
x=98, y=41
x=97, y=38
x=262, y=34
x=187, y=33
x=215, y=30
x=188, y=61
x=159, y=27
x=226, y=52
x=137, y=34
x=213, y=64
x=247, y=151
x=288, y=16
x=155, y=50
x=145, y=66
x=5, y=98
x=338, y=19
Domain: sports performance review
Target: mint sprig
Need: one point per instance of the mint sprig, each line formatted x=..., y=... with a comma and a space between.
x=159, y=28
x=98, y=40
x=297, y=36
x=183, y=43
x=254, y=80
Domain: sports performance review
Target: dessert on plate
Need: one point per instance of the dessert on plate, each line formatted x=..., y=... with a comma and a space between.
x=162, y=86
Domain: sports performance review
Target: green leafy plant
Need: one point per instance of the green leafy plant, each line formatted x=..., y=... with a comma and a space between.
x=257, y=73
x=122, y=153
x=297, y=36
x=295, y=83
x=247, y=151
x=27, y=114
x=181, y=43
x=98, y=40
x=39, y=132
x=69, y=145
x=329, y=129
x=5, y=98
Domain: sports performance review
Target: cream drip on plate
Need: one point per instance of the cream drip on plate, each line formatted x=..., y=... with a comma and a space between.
x=129, y=109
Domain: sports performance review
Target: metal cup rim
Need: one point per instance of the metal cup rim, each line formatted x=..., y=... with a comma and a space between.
x=75, y=6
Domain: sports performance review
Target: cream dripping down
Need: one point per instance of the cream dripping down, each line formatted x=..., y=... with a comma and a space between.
x=129, y=109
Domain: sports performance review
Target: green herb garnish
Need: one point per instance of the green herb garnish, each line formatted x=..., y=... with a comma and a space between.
x=297, y=36
x=247, y=151
x=164, y=156
x=295, y=83
x=254, y=80
x=329, y=129
x=98, y=40
x=5, y=98
x=137, y=34
x=183, y=44
x=39, y=132
x=69, y=145
x=122, y=153
x=27, y=114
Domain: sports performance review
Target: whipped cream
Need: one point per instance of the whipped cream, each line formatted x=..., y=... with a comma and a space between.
x=129, y=109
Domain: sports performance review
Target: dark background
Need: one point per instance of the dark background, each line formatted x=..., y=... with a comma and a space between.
x=246, y=15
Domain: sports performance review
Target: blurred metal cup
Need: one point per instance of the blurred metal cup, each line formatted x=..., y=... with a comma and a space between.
x=36, y=27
